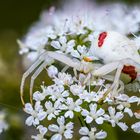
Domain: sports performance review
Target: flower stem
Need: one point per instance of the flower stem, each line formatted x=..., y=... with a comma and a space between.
x=83, y=123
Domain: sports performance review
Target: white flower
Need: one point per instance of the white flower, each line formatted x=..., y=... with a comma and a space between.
x=114, y=118
x=52, y=71
x=37, y=114
x=42, y=131
x=127, y=110
x=76, y=89
x=3, y=124
x=61, y=130
x=58, y=93
x=71, y=106
x=63, y=78
x=124, y=104
x=54, y=89
x=136, y=127
x=91, y=135
x=63, y=44
x=52, y=110
x=94, y=114
x=81, y=52
x=89, y=97
x=38, y=96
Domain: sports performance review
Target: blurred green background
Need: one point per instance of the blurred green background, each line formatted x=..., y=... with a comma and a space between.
x=16, y=16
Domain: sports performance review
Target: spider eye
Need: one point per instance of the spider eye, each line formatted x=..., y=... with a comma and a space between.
x=101, y=38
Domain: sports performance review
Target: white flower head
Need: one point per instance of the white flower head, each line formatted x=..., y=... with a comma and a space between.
x=114, y=118
x=52, y=110
x=38, y=96
x=91, y=134
x=63, y=78
x=71, y=107
x=76, y=89
x=57, y=93
x=63, y=45
x=42, y=131
x=93, y=114
x=37, y=114
x=61, y=129
x=52, y=71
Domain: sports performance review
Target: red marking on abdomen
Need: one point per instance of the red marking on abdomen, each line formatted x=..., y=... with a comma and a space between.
x=131, y=71
x=101, y=38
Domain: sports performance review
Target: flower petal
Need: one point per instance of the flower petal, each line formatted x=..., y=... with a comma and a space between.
x=99, y=120
x=68, y=134
x=89, y=119
x=69, y=114
x=101, y=135
x=55, y=44
x=84, y=131
x=129, y=111
x=56, y=137
x=29, y=121
x=61, y=120
x=123, y=126
x=53, y=128
x=136, y=127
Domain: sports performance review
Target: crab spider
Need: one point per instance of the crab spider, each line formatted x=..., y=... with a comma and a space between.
x=117, y=52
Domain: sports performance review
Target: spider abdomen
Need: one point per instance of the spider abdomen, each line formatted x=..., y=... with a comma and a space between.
x=112, y=46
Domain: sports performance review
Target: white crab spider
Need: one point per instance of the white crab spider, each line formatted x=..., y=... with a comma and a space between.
x=114, y=49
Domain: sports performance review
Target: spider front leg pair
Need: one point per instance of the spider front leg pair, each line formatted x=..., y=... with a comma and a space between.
x=44, y=60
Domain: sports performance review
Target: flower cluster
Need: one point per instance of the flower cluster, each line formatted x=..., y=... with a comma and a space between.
x=3, y=124
x=68, y=99
x=75, y=95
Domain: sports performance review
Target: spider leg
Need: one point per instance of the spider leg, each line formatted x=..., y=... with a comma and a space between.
x=37, y=72
x=75, y=72
x=65, y=69
x=118, y=65
x=57, y=56
x=27, y=73
x=111, y=78
x=115, y=84
x=106, y=69
x=65, y=59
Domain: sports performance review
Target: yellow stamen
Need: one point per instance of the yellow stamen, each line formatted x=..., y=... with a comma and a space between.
x=87, y=59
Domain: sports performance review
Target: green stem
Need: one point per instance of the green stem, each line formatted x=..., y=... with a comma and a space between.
x=83, y=123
